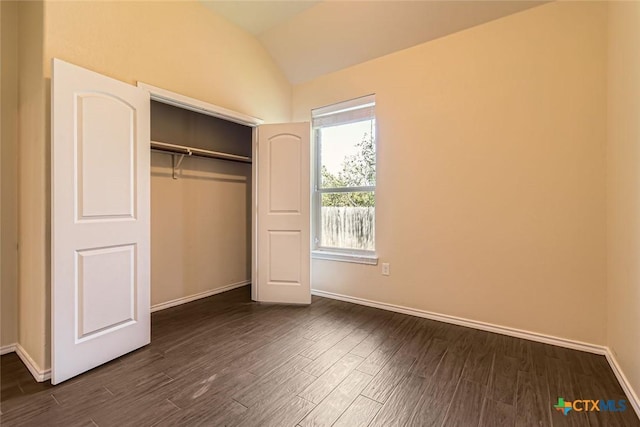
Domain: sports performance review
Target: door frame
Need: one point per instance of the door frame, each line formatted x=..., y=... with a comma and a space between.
x=182, y=101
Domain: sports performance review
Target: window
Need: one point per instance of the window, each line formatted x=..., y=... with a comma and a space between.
x=345, y=179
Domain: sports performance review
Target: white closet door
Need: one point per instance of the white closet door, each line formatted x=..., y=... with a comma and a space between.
x=284, y=240
x=100, y=220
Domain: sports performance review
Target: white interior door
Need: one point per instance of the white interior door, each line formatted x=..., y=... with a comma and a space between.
x=283, y=204
x=100, y=220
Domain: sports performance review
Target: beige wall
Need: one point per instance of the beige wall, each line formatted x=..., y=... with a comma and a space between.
x=33, y=178
x=9, y=167
x=200, y=235
x=623, y=188
x=491, y=171
x=176, y=45
x=180, y=46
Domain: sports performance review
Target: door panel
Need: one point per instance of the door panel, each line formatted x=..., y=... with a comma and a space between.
x=284, y=170
x=100, y=220
x=106, y=289
x=284, y=255
x=284, y=246
x=105, y=147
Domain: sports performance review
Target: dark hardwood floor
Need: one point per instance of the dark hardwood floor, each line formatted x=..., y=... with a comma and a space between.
x=227, y=361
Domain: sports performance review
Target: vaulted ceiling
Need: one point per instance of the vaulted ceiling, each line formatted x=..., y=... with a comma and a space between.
x=310, y=38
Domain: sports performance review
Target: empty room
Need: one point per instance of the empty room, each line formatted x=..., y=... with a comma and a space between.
x=319, y=213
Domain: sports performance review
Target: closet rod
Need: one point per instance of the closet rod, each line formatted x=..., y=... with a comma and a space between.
x=199, y=152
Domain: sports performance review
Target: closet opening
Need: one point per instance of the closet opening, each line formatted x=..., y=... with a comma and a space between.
x=135, y=230
x=201, y=205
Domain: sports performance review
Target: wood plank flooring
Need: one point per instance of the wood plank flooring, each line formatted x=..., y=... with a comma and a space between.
x=226, y=361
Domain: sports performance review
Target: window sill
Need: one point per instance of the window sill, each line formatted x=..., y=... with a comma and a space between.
x=345, y=257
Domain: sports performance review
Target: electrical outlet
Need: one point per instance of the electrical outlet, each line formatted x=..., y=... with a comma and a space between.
x=385, y=268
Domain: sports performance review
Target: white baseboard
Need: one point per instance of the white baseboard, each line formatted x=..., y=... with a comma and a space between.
x=484, y=326
x=6, y=349
x=38, y=373
x=184, y=300
x=504, y=330
x=624, y=382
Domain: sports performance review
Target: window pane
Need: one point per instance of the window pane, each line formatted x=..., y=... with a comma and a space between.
x=348, y=220
x=348, y=155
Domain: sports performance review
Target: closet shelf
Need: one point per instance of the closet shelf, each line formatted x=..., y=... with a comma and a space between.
x=197, y=152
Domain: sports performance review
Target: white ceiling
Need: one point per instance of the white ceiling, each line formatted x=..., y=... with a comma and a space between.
x=310, y=38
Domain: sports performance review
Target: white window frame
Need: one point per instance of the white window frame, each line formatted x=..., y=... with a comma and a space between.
x=340, y=112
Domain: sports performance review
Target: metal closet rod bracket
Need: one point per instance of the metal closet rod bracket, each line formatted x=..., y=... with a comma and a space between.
x=176, y=164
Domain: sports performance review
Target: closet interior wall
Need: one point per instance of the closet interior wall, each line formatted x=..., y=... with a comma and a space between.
x=200, y=222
